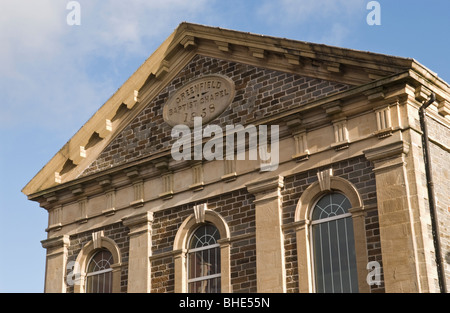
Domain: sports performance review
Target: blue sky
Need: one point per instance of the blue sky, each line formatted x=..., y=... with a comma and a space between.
x=53, y=77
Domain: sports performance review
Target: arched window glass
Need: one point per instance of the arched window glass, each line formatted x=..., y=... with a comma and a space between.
x=203, y=260
x=333, y=245
x=99, y=273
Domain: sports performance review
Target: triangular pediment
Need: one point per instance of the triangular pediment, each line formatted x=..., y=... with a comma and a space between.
x=257, y=93
x=269, y=75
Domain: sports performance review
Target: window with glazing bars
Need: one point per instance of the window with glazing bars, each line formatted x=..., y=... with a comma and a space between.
x=99, y=273
x=333, y=245
x=203, y=260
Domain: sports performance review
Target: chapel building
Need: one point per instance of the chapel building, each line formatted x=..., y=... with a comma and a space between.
x=235, y=162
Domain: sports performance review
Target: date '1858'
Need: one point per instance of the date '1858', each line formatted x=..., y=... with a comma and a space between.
x=206, y=97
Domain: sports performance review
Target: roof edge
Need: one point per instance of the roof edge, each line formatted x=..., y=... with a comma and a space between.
x=125, y=95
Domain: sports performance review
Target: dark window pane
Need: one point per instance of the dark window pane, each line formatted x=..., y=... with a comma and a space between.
x=99, y=274
x=330, y=205
x=100, y=261
x=333, y=246
x=204, y=260
x=205, y=235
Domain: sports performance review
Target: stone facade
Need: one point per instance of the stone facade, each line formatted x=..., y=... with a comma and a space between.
x=439, y=151
x=116, y=232
x=238, y=211
x=360, y=173
x=259, y=93
x=348, y=125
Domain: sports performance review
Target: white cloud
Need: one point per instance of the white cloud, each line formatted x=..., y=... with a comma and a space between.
x=324, y=21
x=336, y=34
x=298, y=11
x=55, y=76
x=133, y=24
x=27, y=29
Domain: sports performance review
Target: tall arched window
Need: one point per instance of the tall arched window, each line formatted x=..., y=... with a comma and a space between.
x=333, y=245
x=203, y=260
x=99, y=273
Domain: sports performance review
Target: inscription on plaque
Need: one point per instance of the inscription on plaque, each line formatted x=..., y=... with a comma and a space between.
x=206, y=97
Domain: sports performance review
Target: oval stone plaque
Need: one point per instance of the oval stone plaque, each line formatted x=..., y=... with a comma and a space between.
x=206, y=97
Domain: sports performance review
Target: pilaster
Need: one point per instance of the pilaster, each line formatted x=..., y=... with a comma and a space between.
x=269, y=237
x=56, y=260
x=397, y=232
x=139, y=267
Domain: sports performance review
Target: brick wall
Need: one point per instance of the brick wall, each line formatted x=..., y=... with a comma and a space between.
x=239, y=213
x=116, y=232
x=238, y=210
x=359, y=172
x=259, y=93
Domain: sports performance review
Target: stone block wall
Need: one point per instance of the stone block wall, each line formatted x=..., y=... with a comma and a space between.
x=440, y=159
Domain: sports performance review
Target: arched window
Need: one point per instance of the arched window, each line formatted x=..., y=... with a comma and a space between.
x=99, y=273
x=194, y=272
x=333, y=245
x=203, y=260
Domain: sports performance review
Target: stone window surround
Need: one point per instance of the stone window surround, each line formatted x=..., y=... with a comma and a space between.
x=98, y=242
x=303, y=230
x=180, y=249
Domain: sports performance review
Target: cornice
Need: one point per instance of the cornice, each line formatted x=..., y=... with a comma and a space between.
x=183, y=44
x=104, y=178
